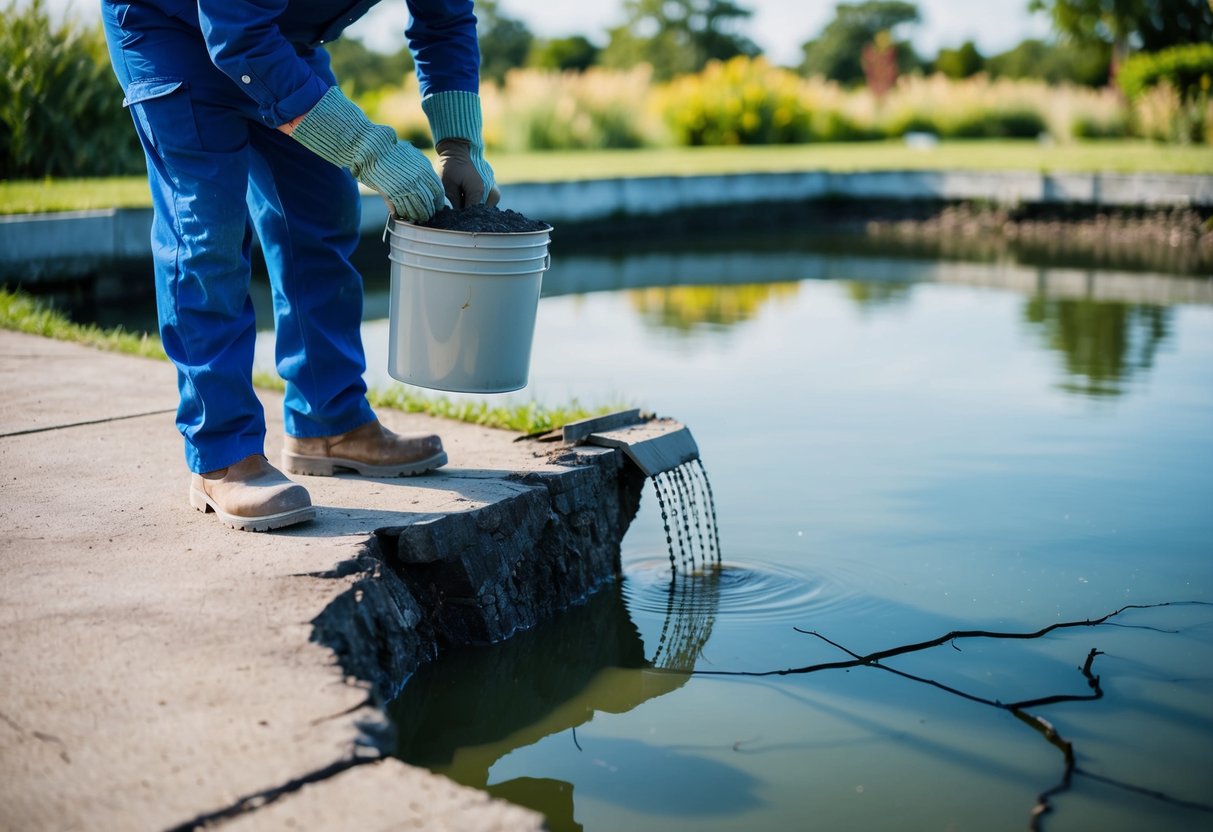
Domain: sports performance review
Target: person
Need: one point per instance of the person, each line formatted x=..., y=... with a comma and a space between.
x=245, y=130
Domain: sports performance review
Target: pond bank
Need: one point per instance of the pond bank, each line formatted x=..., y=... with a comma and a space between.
x=162, y=670
x=37, y=247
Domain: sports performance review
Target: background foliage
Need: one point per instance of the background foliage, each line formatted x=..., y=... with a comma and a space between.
x=677, y=36
x=679, y=73
x=61, y=108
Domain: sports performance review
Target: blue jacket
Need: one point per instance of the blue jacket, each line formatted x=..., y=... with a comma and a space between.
x=256, y=44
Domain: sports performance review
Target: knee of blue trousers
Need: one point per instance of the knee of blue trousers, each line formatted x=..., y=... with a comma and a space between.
x=306, y=212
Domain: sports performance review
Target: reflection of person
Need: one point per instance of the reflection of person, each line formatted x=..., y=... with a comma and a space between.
x=244, y=129
x=462, y=713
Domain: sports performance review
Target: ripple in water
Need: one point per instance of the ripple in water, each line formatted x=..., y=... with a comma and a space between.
x=739, y=590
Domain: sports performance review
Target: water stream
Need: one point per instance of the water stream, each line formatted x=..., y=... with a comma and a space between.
x=684, y=497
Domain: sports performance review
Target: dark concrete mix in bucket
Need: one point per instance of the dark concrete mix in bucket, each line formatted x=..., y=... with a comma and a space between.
x=484, y=219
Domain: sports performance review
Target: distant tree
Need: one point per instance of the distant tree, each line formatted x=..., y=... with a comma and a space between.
x=1077, y=64
x=504, y=41
x=879, y=60
x=837, y=52
x=963, y=62
x=575, y=54
x=1148, y=25
x=1123, y=26
x=360, y=70
x=678, y=36
x=1188, y=70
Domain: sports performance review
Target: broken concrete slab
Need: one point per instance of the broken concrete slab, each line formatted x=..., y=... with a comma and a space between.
x=157, y=667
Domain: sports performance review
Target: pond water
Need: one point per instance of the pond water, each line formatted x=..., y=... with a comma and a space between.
x=899, y=448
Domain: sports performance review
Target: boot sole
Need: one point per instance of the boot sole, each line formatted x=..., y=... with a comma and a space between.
x=264, y=523
x=325, y=466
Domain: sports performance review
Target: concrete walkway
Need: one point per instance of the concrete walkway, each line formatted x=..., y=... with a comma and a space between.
x=155, y=666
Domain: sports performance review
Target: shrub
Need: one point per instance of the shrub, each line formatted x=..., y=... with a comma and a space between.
x=740, y=101
x=985, y=108
x=1187, y=71
x=746, y=101
x=589, y=110
x=61, y=109
x=538, y=110
x=1088, y=126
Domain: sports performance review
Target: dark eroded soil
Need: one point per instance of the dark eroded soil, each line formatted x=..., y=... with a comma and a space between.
x=483, y=219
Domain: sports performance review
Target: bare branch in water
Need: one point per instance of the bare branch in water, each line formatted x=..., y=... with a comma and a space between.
x=1019, y=709
x=1151, y=793
x=872, y=658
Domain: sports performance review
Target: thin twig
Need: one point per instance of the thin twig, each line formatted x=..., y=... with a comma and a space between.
x=870, y=658
x=1151, y=793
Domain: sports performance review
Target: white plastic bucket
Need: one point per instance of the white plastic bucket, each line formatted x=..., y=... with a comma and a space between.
x=463, y=305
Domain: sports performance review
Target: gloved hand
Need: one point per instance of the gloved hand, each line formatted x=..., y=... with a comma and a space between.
x=456, y=125
x=337, y=130
x=465, y=174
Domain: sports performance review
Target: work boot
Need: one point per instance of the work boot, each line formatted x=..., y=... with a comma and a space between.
x=252, y=496
x=371, y=450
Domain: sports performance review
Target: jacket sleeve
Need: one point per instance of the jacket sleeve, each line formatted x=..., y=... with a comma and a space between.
x=245, y=43
x=442, y=38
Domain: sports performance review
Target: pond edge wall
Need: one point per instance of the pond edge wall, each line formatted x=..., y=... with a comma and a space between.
x=477, y=577
x=67, y=244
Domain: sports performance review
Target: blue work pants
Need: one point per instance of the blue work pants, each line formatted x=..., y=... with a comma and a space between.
x=217, y=173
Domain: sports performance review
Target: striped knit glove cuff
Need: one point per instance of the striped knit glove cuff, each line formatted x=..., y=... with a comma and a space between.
x=338, y=131
x=455, y=123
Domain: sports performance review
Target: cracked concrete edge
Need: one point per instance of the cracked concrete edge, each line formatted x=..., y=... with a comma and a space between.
x=142, y=681
x=388, y=794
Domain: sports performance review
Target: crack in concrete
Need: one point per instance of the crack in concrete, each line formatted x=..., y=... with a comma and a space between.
x=261, y=799
x=28, y=431
x=41, y=736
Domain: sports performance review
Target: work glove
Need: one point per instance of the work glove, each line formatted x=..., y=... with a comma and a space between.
x=455, y=123
x=337, y=130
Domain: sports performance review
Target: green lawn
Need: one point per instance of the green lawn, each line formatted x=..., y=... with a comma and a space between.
x=24, y=196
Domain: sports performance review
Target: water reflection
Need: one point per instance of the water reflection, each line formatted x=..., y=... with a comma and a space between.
x=1107, y=325
x=461, y=715
x=1103, y=343
x=683, y=308
x=873, y=295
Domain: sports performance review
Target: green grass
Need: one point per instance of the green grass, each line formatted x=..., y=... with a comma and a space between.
x=22, y=313
x=23, y=196
x=35, y=196
x=1111, y=156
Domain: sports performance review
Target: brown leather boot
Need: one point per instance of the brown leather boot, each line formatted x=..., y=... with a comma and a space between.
x=252, y=496
x=371, y=450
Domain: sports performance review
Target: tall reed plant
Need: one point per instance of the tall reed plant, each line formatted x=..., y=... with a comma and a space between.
x=61, y=109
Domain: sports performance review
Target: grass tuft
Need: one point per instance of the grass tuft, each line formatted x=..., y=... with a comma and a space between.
x=22, y=313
